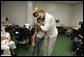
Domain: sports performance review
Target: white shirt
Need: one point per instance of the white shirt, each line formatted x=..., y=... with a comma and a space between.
x=49, y=26
x=40, y=34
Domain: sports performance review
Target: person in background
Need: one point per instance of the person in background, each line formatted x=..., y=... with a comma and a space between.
x=77, y=42
x=7, y=45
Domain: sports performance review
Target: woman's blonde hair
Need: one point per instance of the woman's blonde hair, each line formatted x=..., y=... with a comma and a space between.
x=37, y=10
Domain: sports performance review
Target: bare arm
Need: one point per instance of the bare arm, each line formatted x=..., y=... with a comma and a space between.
x=33, y=39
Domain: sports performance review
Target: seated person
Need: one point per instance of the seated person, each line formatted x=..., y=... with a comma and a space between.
x=78, y=42
x=79, y=50
x=6, y=43
x=74, y=44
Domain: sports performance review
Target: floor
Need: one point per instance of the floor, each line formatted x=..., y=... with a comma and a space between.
x=62, y=47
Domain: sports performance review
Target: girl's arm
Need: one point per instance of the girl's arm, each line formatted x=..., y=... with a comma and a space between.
x=33, y=39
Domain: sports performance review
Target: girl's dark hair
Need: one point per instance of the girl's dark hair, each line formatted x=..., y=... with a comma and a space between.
x=34, y=14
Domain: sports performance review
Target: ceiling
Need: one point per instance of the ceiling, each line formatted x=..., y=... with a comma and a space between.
x=69, y=2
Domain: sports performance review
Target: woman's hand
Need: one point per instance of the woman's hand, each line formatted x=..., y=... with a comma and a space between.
x=38, y=24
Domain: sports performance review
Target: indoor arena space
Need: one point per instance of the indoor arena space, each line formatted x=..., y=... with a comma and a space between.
x=41, y=28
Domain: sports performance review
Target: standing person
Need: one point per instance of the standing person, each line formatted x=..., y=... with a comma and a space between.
x=37, y=38
x=39, y=35
x=49, y=28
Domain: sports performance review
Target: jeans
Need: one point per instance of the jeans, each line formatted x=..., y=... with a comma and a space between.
x=37, y=47
x=38, y=44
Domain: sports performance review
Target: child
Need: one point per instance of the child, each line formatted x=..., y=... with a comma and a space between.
x=37, y=37
x=6, y=43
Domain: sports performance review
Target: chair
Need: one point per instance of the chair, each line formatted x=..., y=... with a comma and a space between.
x=22, y=36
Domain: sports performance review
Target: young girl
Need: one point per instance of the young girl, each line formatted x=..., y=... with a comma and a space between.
x=37, y=37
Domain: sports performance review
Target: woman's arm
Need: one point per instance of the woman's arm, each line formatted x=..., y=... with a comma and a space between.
x=46, y=26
